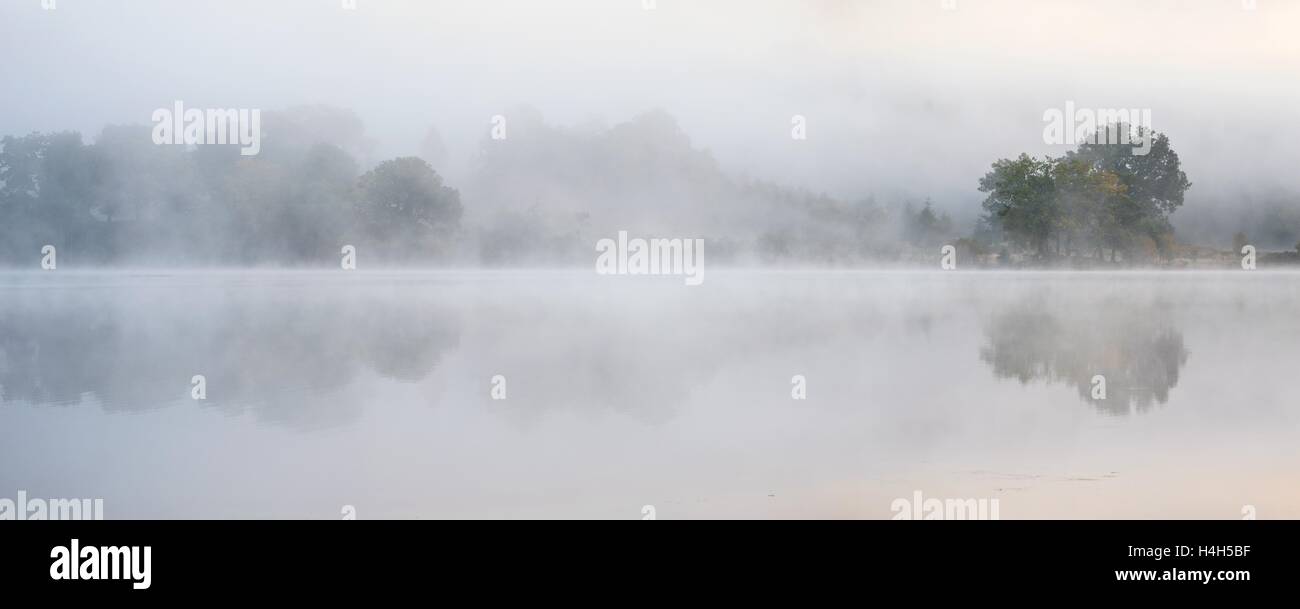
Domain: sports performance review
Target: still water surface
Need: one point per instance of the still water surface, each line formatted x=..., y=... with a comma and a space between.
x=327, y=389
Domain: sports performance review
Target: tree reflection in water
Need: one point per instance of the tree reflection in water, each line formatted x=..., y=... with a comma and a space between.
x=1137, y=349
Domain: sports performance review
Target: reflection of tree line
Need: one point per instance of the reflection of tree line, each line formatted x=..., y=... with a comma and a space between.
x=289, y=361
x=293, y=359
x=1139, y=352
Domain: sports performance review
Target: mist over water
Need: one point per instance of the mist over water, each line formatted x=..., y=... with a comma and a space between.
x=720, y=259
x=374, y=390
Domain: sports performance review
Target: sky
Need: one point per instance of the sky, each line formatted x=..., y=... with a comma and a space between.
x=900, y=97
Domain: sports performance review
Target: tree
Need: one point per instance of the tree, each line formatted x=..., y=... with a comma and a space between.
x=1154, y=182
x=51, y=183
x=317, y=208
x=1088, y=203
x=20, y=168
x=404, y=206
x=1020, y=200
x=1153, y=186
x=145, y=199
x=926, y=228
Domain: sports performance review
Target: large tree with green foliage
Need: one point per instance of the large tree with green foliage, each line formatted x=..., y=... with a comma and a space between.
x=405, y=198
x=1020, y=200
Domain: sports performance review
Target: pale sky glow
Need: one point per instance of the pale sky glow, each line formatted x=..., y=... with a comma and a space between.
x=901, y=96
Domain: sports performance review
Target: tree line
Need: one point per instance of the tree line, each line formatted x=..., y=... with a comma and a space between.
x=123, y=199
x=541, y=198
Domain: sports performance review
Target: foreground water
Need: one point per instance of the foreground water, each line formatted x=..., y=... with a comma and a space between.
x=374, y=390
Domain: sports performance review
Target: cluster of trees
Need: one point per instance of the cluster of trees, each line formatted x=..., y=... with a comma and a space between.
x=540, y=198
x=925, y=227
x=122, y=199
x=1098, y=200
x=546, y=194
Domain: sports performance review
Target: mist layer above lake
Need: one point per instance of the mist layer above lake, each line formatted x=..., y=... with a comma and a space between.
x=326, y=389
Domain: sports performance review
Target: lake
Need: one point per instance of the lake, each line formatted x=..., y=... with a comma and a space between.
x=377, y=390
